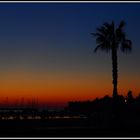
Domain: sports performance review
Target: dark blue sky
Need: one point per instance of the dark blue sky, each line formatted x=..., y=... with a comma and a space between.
x=27, y=26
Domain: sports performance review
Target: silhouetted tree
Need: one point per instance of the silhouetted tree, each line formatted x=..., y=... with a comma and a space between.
x=130, y=97
x=110, y=38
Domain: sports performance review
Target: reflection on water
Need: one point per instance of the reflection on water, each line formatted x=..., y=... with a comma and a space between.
x=34, y=114
x=39, y=117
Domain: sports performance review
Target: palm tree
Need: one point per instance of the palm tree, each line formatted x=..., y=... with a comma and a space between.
x=111, y=38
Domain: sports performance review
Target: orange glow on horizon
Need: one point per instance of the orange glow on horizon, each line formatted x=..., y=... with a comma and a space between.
x=59, y=88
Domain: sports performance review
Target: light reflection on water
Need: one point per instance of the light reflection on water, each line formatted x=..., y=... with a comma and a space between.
x=39, y=117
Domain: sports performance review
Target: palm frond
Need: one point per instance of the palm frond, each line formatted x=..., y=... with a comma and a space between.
x=113, y=25
x=107, y=34
x=126, y=46
x=100, y=39
x=106, y=49
x=97, y=48
x=107, y=25
x=120, y=34
x=104, y=46
x=102, y=30
x=122, y=24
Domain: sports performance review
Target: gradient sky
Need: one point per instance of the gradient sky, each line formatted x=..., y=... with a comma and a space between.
x=46, y=51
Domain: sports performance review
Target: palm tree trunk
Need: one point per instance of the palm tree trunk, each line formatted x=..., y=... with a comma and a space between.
x=115, y=82
x=114, y=71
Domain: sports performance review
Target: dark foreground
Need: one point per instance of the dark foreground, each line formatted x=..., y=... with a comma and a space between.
x=68, y=128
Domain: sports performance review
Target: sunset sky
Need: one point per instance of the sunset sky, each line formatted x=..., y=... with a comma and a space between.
x=46, y=51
